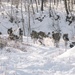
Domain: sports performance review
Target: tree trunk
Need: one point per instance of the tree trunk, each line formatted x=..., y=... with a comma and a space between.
x=22, y=19
x=36, y=5
x=66, y=8
x=29, y=27
x=42, y=1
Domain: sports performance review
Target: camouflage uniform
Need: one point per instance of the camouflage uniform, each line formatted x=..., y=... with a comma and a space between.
x=56, y=38
x=66, y=39
x=21, y=35
x=34, y=36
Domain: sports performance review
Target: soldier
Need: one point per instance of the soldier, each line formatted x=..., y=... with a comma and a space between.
x=56, y=38
x=21, y=34
x=34, y=36
x=66, y=39
x=41, y=36
x=10, y=31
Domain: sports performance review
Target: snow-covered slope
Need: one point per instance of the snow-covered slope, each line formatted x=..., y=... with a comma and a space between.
x=68, y=53
x=27, y=58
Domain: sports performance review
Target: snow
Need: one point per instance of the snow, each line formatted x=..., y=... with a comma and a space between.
x=27, y=58
x=70, y=52
x=36, y=59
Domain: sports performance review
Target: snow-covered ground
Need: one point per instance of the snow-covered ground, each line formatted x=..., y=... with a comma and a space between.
x=33, y=59
x=27, y=58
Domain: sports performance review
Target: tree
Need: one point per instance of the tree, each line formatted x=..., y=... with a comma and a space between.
x=42, y=1
x=36, y=5
x=29, y=27
x=22, y=17
x=66, y=8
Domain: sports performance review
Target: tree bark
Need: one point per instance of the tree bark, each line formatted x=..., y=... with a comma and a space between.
x=66, y=8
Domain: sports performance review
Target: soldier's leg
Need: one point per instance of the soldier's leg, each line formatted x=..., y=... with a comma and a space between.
x=34, y=40
x=54, y=42
x=20, y=38
x=66, y=43
x=57, y=43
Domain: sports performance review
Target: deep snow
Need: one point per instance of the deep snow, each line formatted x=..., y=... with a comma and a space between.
x=28, y=58
x=34, y=59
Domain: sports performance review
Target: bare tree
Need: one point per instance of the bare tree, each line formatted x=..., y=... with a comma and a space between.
x=36, y=5
x=22, y=18
x=29, y=27
x=66, y=6
x=42, y=1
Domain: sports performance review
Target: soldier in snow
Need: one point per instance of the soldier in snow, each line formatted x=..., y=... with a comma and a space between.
x=56, y=38
x=66, y=39
x=10, y=32
x=21, y=35
x=34, y=35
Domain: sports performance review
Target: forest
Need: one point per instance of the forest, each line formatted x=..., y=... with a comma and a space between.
x=37, y=37
x=26, y=11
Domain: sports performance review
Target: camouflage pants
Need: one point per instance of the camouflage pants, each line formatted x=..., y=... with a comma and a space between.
x=21, y=38
x=56, y=43
x=34, y=40
x=66, y=43
x=41, y=41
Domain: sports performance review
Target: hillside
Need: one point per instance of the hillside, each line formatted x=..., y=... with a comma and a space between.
x=29, y=58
